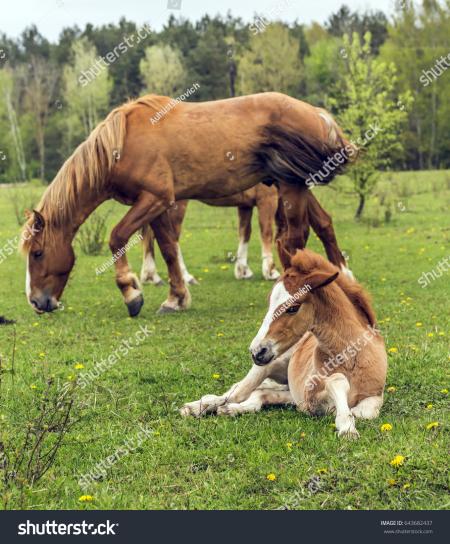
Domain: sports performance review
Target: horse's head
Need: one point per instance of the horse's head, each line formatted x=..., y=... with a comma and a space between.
x=50, y=259
x=291, y=311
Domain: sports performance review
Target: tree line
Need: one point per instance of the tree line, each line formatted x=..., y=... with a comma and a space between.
x=361, y=66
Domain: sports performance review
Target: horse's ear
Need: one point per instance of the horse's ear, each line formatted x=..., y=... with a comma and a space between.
x=285, y=256
x=318, y=280
x=39, y=221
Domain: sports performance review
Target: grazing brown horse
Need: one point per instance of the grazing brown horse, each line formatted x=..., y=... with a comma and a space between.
x=318, y=347
x=270, y=210
x=196, y=151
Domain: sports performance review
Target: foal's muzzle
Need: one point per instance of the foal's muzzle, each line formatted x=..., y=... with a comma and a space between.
x=263, y=354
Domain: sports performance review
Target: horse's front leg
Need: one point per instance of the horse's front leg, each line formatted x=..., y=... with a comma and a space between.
x=166, y=236
x=295, y=205
x=146, y=207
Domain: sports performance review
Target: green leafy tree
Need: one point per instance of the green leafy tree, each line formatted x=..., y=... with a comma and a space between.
x=371, y=113
x=86, y=98
x=272, y=62
x=162, y=70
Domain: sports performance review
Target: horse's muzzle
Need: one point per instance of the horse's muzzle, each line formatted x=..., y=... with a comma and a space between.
x=43, y=304
x=263, y=355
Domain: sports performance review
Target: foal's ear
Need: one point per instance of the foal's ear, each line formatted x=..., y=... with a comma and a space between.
x=39, y=221
x=319, y=280
x=285, y=256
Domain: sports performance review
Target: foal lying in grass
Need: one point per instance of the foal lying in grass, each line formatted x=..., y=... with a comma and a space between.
x=317, y=348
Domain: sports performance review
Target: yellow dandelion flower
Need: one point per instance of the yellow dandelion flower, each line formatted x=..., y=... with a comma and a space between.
x=430, y=334
x=271, y=477
x=391, y=389
x=35, y=324
x=441, y=333
x=406, y=486
x=86, y=498
x=78, y=366
x=32, y=386
x=224, y=267
x=419, y=324
x=429, y=406
x=391, y=481
x=393, y=350
x=216, y=376
x=220, y=334
x=206, y=270
x=289, y=445
x=322, y=470
x=397, y=461
x=386, y=427
x=387, y=319
x=302, y=435
x=42, y=355
x=444, y=391
x=432, y=425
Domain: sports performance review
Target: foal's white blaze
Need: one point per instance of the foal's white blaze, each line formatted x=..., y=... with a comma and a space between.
x=278, y=296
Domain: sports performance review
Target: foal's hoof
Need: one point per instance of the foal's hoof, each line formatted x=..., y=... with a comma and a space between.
x=135, y=305
x=193, y=281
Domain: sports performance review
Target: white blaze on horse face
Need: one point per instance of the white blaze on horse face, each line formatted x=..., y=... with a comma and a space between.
x=28, y=279
x=278, y=296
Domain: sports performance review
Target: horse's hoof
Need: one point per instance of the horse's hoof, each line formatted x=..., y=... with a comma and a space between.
x=193, y=281
x=135, y=305
x=166, y=310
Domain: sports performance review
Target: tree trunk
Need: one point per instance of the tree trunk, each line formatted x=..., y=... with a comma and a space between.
x=359, y=211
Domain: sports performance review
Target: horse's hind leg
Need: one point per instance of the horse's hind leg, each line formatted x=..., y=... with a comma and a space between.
x=149, y=274
x=368, y=408
x=294, y=235
x=241, y=269
x=267, y=207
x=179, y=296
x=322, y=225
x=146, y=207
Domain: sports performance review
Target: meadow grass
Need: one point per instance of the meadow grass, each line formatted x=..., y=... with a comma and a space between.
x=217, y=462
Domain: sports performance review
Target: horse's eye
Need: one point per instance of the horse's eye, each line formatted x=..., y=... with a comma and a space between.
x=38, y=254
x=293, y=309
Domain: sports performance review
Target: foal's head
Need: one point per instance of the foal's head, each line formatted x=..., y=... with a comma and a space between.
x=292, y=304
x=50, y=259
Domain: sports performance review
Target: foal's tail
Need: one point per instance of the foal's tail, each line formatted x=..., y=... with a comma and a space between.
x=287, y=156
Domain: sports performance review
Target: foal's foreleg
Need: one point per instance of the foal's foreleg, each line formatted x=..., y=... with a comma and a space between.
x=322, y=225
x=237, y=393
x=256, y=401
x=337, y=387
x=179, y=296
x=146, y=207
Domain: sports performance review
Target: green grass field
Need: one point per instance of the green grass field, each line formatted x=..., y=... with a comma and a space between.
x=221, y=463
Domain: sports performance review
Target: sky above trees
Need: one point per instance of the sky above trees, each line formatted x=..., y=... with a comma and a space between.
x=51, y=16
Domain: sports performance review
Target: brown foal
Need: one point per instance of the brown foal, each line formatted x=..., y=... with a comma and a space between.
x=320, y=345
x=187, y=154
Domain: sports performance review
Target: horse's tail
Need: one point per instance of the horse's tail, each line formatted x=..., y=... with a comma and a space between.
x=287, y=156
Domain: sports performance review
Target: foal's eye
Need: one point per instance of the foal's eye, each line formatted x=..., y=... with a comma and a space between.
x=293, y=309
x=38, y=254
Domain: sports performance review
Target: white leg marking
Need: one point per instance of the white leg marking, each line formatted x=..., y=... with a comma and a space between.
x=269, y=271
x=338, y=387
x=258, y=399
x=347, y=272
x=241, y=268
x=149, y=273
x=188, y=278
x=368, y=408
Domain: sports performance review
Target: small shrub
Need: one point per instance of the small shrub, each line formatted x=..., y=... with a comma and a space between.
x=91, y=236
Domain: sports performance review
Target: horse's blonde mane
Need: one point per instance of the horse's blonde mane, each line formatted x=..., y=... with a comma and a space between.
x=87, y=168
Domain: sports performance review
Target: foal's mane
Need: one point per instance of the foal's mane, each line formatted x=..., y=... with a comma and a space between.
x=307, y=262
x=88, y=168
